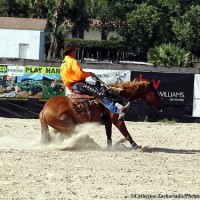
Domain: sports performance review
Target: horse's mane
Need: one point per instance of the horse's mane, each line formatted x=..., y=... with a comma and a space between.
x=131, y=84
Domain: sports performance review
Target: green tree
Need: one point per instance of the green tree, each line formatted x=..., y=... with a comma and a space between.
x=13, y=8
x=187, y=30
x=111, y=13
x=100, y=10
x=79, y=17
x=140, y=30
x=56, y=11
x=166, y=10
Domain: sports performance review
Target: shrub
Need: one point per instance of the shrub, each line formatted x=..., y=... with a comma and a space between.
x=169, y=55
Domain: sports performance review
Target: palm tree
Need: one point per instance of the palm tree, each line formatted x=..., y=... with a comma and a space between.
x=56, y=12
x=79, y=17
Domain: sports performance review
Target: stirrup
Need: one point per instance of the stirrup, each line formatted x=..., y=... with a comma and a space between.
x=121, y=116
x=126, y=107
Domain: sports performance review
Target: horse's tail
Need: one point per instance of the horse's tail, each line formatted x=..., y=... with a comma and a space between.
x=45, y=135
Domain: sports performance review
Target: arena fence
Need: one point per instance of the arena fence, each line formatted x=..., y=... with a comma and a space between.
x=25, y=88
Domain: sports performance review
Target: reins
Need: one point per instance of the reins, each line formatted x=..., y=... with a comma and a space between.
x=100, y=81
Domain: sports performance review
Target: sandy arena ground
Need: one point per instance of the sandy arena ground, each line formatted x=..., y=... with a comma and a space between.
x=82, y=168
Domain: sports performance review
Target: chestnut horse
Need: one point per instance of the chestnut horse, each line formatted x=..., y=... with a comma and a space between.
x=63, y=113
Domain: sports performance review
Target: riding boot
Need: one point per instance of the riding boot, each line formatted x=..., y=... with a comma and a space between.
x=121, y=103
x=122, y=109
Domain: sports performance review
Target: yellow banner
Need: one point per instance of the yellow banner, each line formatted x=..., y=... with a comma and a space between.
x=3, y=68
x=41, y=70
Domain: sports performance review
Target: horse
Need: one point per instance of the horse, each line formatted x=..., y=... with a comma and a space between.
x=63, y=113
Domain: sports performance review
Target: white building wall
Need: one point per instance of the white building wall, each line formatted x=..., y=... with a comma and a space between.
x=10, y=40
x=114, y=34
x=93, y=34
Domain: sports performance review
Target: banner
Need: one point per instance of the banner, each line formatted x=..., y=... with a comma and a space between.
x=196, y=100
x=23, y=83
x=30, y=83
x=175, y=89
x=111, y=76
x=108, y=76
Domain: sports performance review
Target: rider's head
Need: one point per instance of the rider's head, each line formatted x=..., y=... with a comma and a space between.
x=70, y=48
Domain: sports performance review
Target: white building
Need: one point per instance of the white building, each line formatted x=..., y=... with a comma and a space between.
x=22, y=38
x=93, y=32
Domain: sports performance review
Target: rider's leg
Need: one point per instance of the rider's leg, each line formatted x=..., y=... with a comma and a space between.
x=89, y=89
x=120, y=103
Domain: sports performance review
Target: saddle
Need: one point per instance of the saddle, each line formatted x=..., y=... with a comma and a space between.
x=89, y=105
x=84, y=103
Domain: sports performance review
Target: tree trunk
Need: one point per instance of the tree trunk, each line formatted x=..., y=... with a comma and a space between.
x=50, y=52
x=53, y=38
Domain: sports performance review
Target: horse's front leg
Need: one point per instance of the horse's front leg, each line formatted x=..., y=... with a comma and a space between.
x=120, y=124
x=108, y=127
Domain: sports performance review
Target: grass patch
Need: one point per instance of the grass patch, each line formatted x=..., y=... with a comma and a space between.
x=168, y=121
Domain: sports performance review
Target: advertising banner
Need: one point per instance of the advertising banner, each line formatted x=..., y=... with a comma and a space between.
x=22, y=83
x=108, y=76
x=29, y=82
x=175, y=89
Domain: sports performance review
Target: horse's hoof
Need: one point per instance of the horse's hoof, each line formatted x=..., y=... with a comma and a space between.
x=109, y=144
x=136, y=147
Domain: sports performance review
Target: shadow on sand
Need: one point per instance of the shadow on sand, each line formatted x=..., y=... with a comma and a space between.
x=148, y=149
x=169, y=150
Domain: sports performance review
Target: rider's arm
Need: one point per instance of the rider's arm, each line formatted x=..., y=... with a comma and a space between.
x=79, y=71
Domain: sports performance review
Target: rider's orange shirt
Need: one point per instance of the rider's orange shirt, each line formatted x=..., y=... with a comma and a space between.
x=72, y=72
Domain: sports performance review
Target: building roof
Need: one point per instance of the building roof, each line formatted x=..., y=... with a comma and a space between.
x=97, y=23
x=23, y=23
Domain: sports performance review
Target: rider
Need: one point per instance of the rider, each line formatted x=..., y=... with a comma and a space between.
x=74, y=77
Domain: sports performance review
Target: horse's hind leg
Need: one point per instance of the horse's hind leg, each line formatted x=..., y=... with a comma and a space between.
x=45, y=135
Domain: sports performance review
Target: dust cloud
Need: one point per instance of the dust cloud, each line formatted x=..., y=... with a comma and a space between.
x=79, y=140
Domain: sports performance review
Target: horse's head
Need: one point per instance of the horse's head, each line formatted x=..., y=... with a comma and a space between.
x=152, y=97
x=139, y=90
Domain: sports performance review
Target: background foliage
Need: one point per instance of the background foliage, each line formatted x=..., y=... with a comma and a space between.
x=141, y=24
